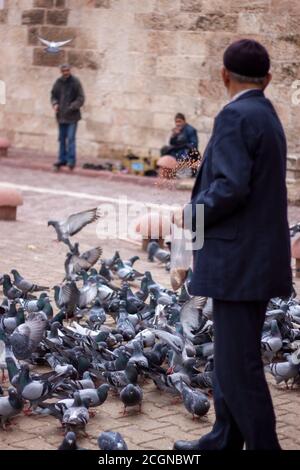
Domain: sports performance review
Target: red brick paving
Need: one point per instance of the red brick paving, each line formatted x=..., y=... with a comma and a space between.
x=28, y=246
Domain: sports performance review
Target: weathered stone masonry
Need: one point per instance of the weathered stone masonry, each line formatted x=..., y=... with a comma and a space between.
x=140, y=62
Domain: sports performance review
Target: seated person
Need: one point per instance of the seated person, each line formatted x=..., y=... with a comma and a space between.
x=183, y=141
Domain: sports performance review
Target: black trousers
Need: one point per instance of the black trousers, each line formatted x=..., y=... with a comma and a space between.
x=242, y=401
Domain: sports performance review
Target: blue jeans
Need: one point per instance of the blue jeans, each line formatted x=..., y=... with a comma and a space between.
x=67, y=143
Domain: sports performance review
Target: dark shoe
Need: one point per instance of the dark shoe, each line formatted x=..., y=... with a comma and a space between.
x=57, y=165
x=71, y=166
x=187, y=445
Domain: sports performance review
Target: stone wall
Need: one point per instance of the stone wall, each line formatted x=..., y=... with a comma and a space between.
x=140, y=61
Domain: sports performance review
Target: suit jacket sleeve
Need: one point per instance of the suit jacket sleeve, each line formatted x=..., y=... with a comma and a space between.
x=231, y=166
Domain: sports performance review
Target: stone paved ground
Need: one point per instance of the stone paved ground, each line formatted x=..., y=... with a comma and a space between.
x=28, y=246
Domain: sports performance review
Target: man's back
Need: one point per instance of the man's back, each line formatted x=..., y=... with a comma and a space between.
x=246, y=253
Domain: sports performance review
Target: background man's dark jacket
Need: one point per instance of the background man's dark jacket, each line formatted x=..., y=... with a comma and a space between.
x=246, y=252
x=68, y=94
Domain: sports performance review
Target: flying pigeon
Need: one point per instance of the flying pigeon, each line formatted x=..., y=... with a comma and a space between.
x=54, y=47
x=73, y=224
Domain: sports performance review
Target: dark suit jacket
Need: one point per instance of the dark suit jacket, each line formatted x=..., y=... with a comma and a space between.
x=246, y=251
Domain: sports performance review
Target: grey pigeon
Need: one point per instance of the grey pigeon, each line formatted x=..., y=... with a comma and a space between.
x=125, y=272
x=119, y=379
x=97, y=396
x=69, y=442
x=161, y=255
x=77, y=416
x=271, y=342
x=27, y=336
x=131, y=395
x=73, y=224
x=285, y=371
x=110, y=440
x=24, y=285
x=190, y=315
x=10, y=291
x=76, y=263
x=10, y=406
x=194, y=401
x=138, y=356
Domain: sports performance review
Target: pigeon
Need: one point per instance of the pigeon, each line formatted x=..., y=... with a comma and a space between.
x=190, y=316
x=96, y=315
x=124, y=325
x=10, y=291
x=109, y=440
x=131, y=395
x=69, y=442
x=96, y=396
x=161, y=255
x=10, y=406
x=138, y=356
x=271, y=341
x=194, y=401
x=76, y=417
x=24, y=285
x=75, y=263
x=54, y=47
x=285, y=371
x=73, y=224
x=12, y=318
x=119, y=379
x=2, y=359
x=36, y=390
x=125, y=272
x=27, y=336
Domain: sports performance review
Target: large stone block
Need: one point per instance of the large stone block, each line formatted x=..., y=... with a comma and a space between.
x=190, y=43
x=60, y=3
x=57, y=17
x=217, y=22
x=161, y=42
x=85, y=59
x=256, y=6
x=35, y=16
x=56, y=33
x=32, y=35
x=3, y=16
x=43, y=3
x=249, y=23
x=284, y=7
x=41, y=58
x=193, y=6
x=102, y=3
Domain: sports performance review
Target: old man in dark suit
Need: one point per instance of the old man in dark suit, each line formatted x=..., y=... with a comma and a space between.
x=245, y=259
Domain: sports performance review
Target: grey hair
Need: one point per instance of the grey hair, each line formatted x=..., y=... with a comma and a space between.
x=244, y=79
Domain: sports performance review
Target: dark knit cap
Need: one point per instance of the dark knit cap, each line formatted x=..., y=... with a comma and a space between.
x=248, y=58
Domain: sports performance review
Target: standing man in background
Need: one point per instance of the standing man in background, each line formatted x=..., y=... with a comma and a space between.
x=245, y=259
x=67, y=97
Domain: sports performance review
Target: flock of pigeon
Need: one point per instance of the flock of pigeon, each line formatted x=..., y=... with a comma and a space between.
x=107, y=335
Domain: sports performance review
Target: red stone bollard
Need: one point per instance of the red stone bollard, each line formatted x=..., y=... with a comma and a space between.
x=153, y=225
x=4, y=146
x=167, y=167
x=10, y=199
